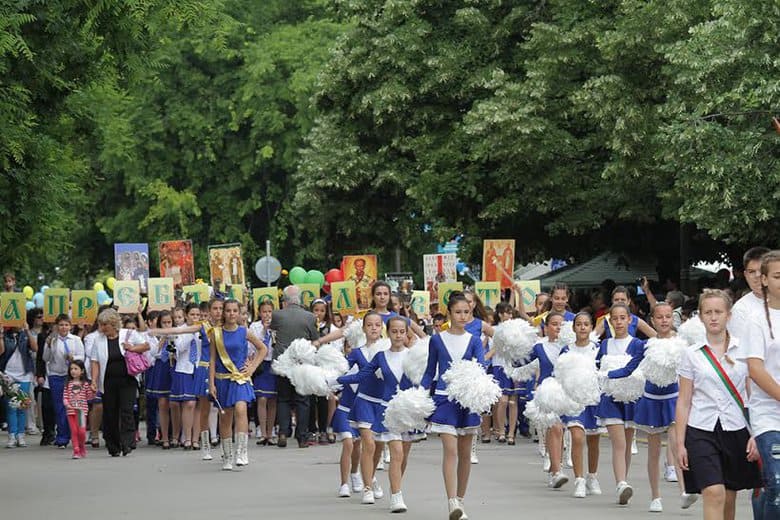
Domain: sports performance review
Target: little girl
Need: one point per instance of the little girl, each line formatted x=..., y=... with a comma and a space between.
x=76, y=398
x=584, y=427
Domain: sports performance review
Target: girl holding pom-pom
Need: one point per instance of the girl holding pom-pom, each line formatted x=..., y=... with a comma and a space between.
x=359, y=410
x=618, y=416
x=547, y=352
x=584, y=427
x=388, y=363
x=455, y=425
x=654, y=414
x=510, y=389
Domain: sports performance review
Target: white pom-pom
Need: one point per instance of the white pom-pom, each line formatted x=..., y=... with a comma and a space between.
x=331, y=360
x=354, y=334
x=577, y=374
x=300, y=352
x=380, y=345
x=470, y=386
x=514, y=339
x=567, y=335
x=408, y=409
x=662, y=357
x=625, y=389
x=416, y=360
x=693, y=331
x=309, y=380
x=542, y=420
x=525, y=372
x=550, y=398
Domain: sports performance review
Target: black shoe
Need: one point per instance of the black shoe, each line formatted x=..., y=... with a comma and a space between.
x=113, y=453
x=282, y=442
x=303, y=443
x=47, y=441
x=126, y=452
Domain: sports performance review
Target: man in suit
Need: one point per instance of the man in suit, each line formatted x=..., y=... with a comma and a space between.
x=290, y=323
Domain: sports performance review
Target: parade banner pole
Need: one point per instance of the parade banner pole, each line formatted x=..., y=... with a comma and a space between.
x=268, y=264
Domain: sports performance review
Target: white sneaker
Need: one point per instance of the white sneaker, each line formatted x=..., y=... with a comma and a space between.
x=670, y=474
x=397, y=503
x=656, y=506
x=463, y=515
x=377, y=489
x=380, y=466
x=455, y=509
x=634, y=449
x=474, y=458
x=592, y=484
x=386, y=454
x=20, y=440
x=687, y=500
x=344, y=491
x=11, y=441
x=546, y=463
x=557, y=480
x=356, y=481
x=624, y=493
x=368, y=496
x=580, y=488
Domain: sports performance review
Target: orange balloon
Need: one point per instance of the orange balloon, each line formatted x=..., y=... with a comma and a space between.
x=285, y=272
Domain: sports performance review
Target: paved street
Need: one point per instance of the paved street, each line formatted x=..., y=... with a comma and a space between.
x=300, y=483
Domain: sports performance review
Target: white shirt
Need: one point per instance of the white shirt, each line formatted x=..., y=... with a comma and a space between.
x=183, y=344
x=455, y=344
x=258, y=331
x=744, y=310
x=15, y=368
x=618, y=347
x=395, y=360
x=54, y=353
x=552, y=350
x=764, y=409
x=711, y=400
x=100, y=350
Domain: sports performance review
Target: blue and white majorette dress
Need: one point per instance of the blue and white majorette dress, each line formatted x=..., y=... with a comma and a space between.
x=609, y=411
x=498, y=369
x=201, y=375
x=367, y=409
x=387, y=366
x=450, y=417
x=187, y=354
x=547, y=353
x=159, y=378
x=264, y=382
x=357, y=359
x=654, y=412
x=586, y=420
x=232, y=387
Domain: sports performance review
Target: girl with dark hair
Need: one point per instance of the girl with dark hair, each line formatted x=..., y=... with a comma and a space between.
x=622, y=296
x=455, y=425
x=59, y=350
x=159, y=379
x=509, y=388
x=183, y=396
x=76, y=398
x=264, y=380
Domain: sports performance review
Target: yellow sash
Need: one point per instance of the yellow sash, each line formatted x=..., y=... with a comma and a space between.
x=234, y=374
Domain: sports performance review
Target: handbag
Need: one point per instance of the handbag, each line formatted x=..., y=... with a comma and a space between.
x=135, y=362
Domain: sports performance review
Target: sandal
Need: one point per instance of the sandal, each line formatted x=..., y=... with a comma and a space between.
x=95, y=443
x=510, y=441
x=262, y=441
x=187, y=446
x=502, y=438
x=331, y=438
x=166, y=445
x=196, y=445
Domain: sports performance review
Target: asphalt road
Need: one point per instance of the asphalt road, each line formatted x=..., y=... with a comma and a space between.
x=296, y=483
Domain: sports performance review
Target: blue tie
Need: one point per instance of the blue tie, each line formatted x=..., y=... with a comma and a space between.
x=164, y=354
x=65, y=344
x=193, y=351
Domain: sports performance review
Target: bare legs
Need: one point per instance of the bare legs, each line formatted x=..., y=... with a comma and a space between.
x=456, y=463
x=621, y=438
x=719, y=503
x=399, y=455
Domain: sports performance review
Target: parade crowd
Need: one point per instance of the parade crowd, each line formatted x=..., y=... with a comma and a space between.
x=199, y=375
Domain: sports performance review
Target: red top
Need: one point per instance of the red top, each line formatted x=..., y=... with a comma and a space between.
x=76, y=396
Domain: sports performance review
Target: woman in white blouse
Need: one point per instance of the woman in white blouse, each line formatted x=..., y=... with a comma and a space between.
x=715, y=450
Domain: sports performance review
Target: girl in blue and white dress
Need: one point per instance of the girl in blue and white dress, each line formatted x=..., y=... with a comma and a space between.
x=366, y=413
x=654, y=414
x=346, y=433
x=584, y=428
x=547, y=352
x=455, y=425
x=510, y=389
x=264, y=381
x=387, y=367
x=230, y=381
x=160, y=376
x=183, y=396
x=616, y=416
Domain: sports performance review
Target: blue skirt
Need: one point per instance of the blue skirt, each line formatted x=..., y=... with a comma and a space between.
x=340, y=424
x=200, y=384
x=610, y=411
x=451, y=417
x=587, y=419
x=654, y=415
x=265, y=383
x=366, y=414
x=183, y=388
x=229, y=392
x=159, y=379
x=508, y=387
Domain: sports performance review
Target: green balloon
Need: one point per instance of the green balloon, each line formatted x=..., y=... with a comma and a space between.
x=297, y=275
x=315, y=276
